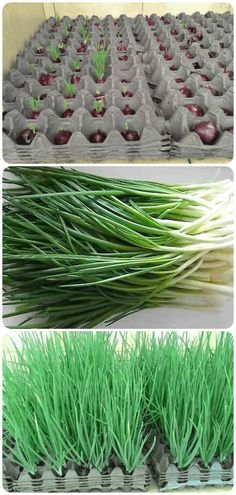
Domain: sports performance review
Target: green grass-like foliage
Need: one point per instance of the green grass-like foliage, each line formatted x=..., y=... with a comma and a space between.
x=190, y=394
x=35, y=104
x=81, y=249
x=76, y=64
x=99, y=105
x=84, y=396
x=54, y=53
x=99, y=59
x=72, y=397
x=69, y=88
x=84, y=33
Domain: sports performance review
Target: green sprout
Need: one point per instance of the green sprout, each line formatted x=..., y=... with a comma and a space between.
x=54, y=53
x=51, y=68
x=66, y=31
x=99, y=59
x=66, y=105
x=33, y=128
x=57, y=18
x=126, y=126
x=69, y=87
x=61, y=46
x=99, y=105
x=76, y=64
x=84, y=33
x=35, y=104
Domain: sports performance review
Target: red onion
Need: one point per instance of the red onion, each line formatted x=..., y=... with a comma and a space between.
x=207, y=131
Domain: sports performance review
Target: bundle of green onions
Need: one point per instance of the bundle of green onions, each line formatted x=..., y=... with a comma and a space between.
x=81, y=249
x=70, y=397
x=91, y=397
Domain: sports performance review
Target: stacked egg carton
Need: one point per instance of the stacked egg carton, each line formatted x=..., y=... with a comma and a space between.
x=189, y=61
x=169, y=477
x=124, y=75
x=74, y=479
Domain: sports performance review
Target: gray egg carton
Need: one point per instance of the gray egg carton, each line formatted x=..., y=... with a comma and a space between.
x=156, y=99
x=170, y=477
x=165, y=90
x=81, y=124
x=15, y=480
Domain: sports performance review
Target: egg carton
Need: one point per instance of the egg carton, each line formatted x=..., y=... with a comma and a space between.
x=162, y=36
x=174, y=37
x=170, y=477
x=148, y=77
x=156, y=71
x=15, y=480
x=153, y=141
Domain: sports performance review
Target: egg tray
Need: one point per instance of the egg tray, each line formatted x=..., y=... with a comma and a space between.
x=163, y=33
x=149, y=126
x=82, y=125
x=149, y=96
x=169, y=477
x=15, y=480
x=170, y=102
x=179, y=121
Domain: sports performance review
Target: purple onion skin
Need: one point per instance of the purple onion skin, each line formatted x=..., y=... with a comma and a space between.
x=186, y=92
x=67, y=113
x=127, y=93
x=195, y=110
x=227, y=112
x=130, y=135
x=46, y=79
x=128, y=111
x=207, y=131
x=96, y=114
x=62, y=137
x=35, y=115
x=97, y=137
x=26, y=137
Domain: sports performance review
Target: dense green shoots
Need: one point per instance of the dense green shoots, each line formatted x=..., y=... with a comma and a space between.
x=54, y=53
x=85, y=397
x=99, y=59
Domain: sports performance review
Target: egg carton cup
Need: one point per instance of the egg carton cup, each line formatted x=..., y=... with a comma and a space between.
x=186, y=142
x=153, y=141
x=194, y=83
x=169, y=477
x=16, y=480
x=204, y=98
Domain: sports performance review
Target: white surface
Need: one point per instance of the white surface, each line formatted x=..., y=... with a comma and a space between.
x=167, y=317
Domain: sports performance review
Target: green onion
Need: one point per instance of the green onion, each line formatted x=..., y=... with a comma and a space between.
x=99, y=59
x=63, y=400
x=35, y=104
x=81, y=249
x=69, y=88
x=189, y=393
x=87, y=397
x=54, y=53
x=84, y=33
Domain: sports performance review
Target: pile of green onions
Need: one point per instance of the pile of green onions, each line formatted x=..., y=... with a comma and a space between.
x=80, y=249
x=87, y=397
